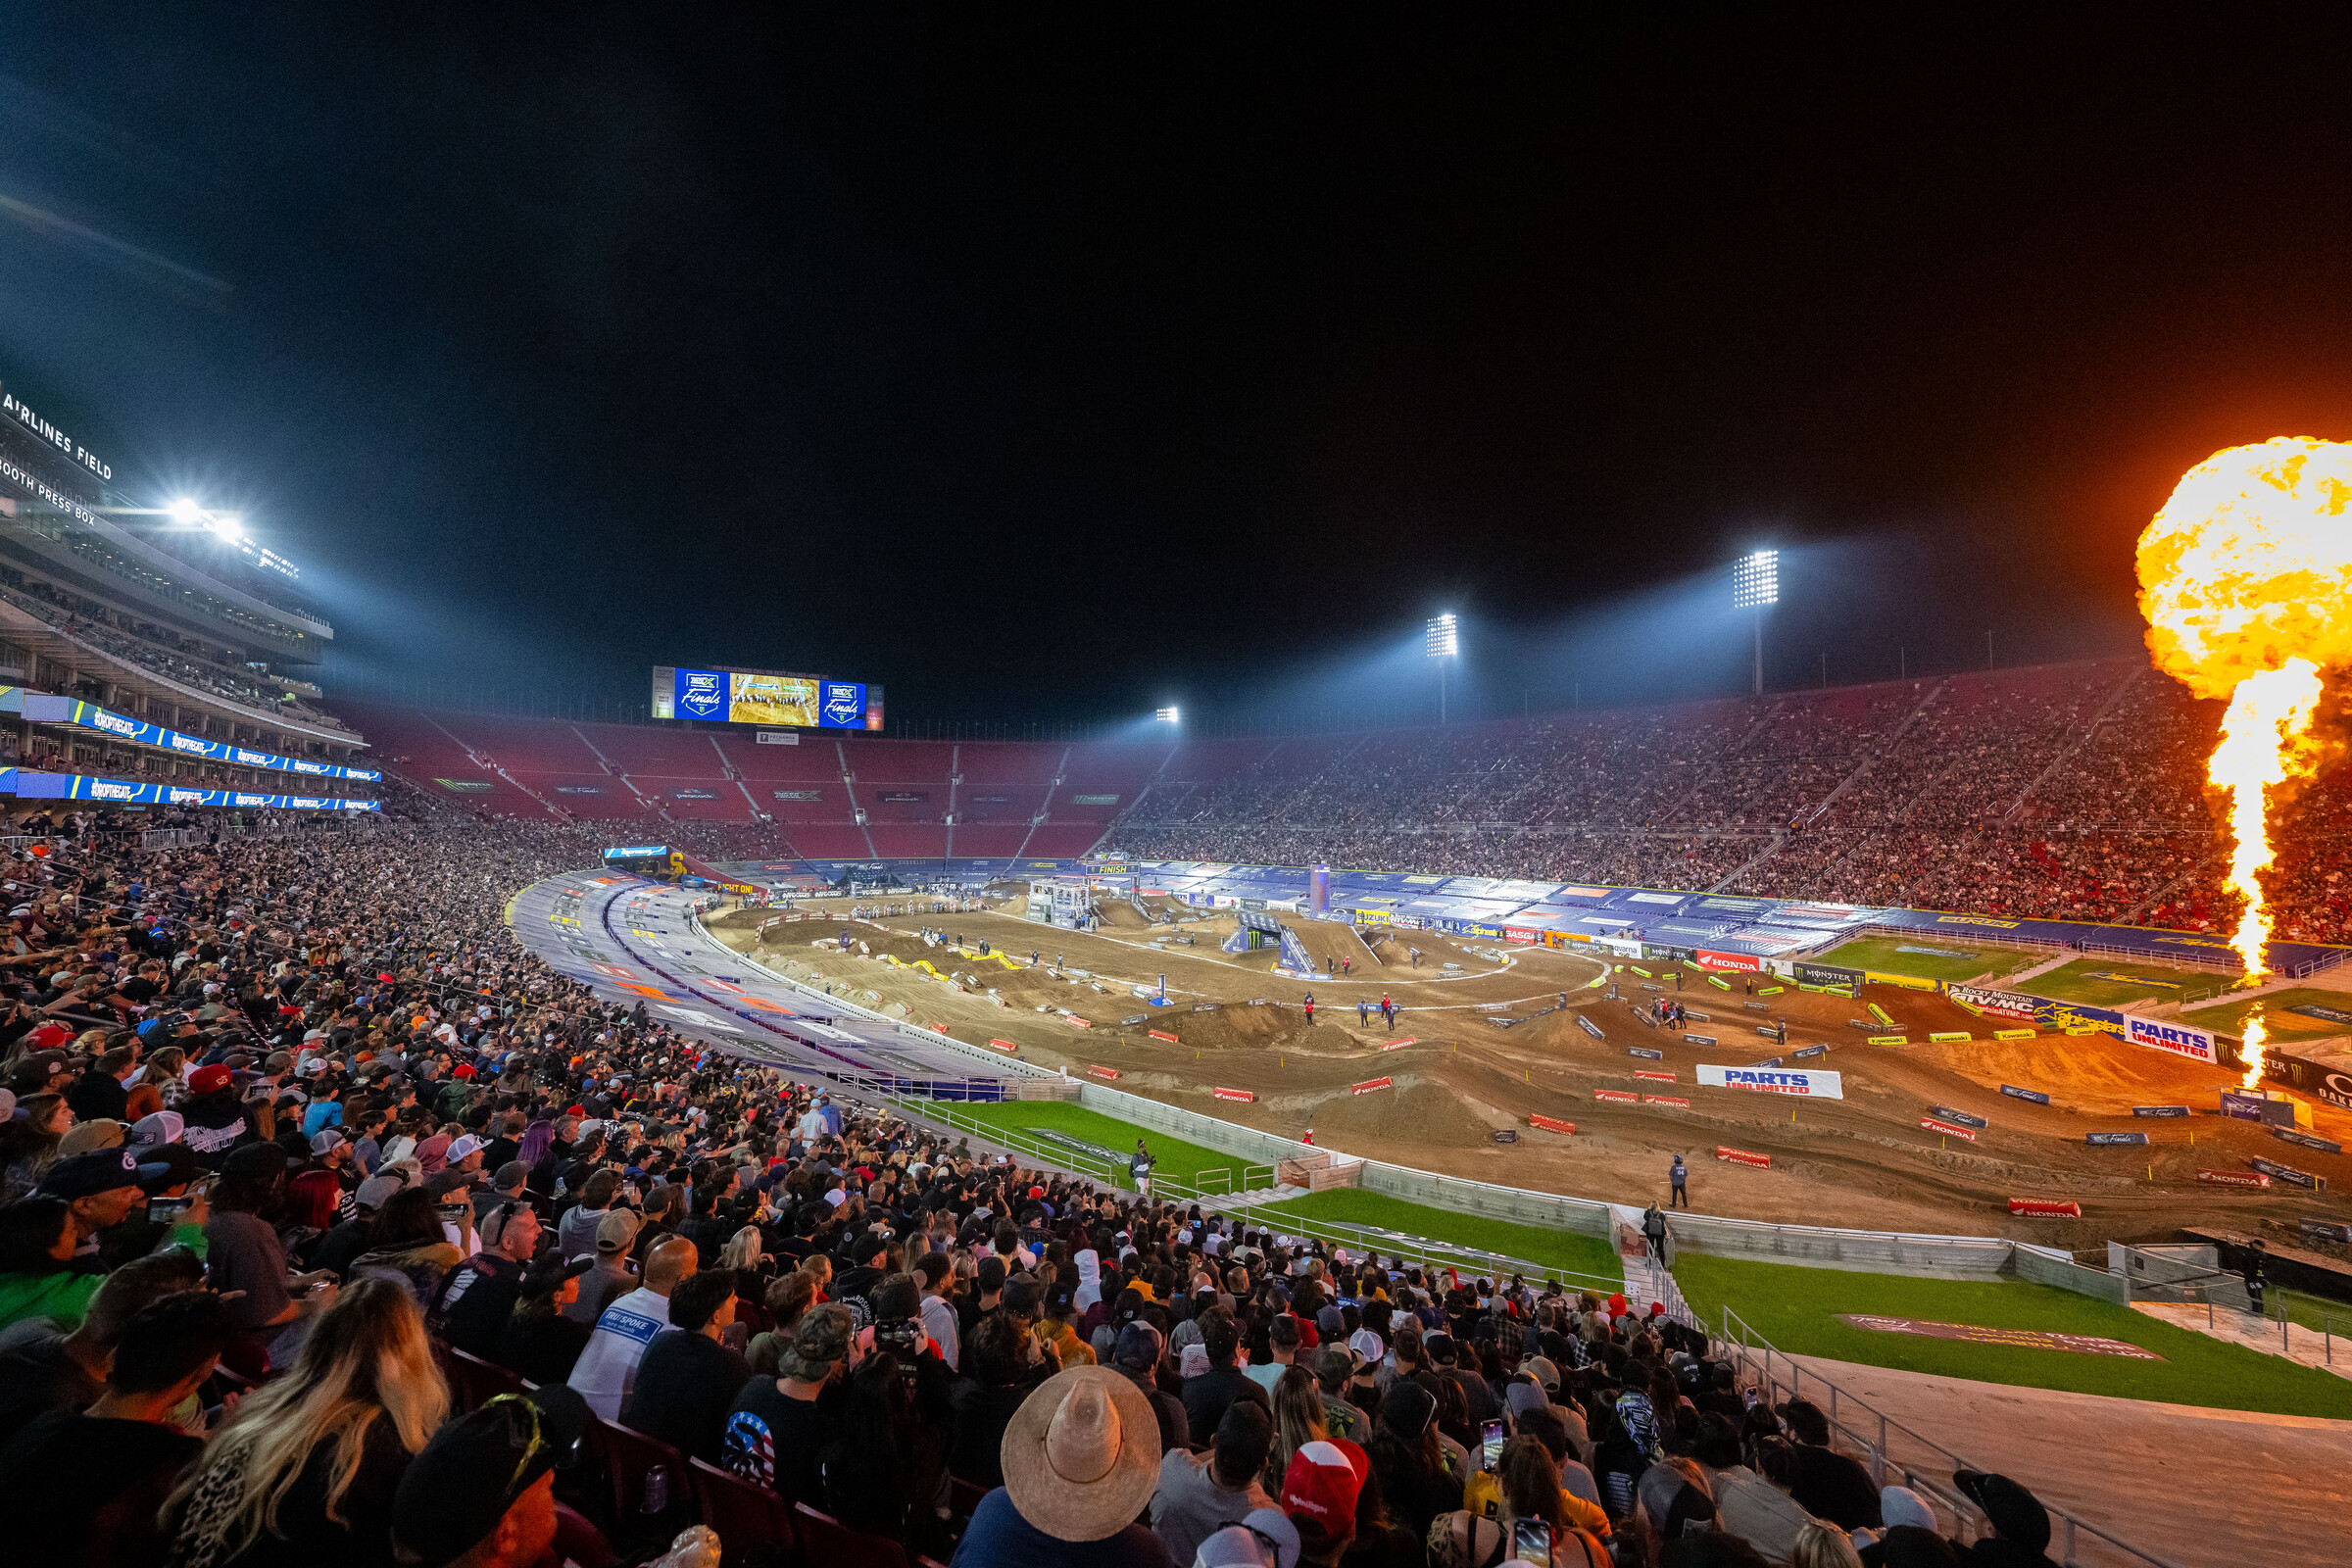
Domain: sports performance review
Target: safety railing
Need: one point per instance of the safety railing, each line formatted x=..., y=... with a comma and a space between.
x=2310, y=1315
x=1759, y=1362
x=1422, y=1251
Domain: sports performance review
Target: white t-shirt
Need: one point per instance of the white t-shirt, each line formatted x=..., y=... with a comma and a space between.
x=607, y=1369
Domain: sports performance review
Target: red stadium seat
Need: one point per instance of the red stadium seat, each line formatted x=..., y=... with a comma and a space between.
x=623, y=1456
x=836, y=1545
x=753, y=1524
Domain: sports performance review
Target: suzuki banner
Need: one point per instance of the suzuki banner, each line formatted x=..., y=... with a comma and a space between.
x=1811, y=1081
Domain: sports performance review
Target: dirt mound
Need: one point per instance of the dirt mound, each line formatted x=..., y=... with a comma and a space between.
x=1419, y=1109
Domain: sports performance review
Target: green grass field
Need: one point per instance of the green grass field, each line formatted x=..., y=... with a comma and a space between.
x=1795, y=1308
x=2084, y=980
x=1883, y=954
x=2230, y=1018
x=1535, y=1244
x=1172, y=1157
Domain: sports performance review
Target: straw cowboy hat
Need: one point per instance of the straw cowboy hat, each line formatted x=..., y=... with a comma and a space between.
x=1081, y=1455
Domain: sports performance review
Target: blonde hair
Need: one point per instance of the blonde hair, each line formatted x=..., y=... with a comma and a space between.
x=743, y=1249
x=1820, y=1545
x=366, y=1358
x=1297, y=1418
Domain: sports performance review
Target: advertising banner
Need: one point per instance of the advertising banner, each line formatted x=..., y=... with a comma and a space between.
x=2101, y=1139
x=2325, y=1229
x=1242, y=1095
x=1616, y=1096
x=2159, y=1110
x=2257, y=1107
x=1813, y=1083
x=1646, y=1052
x=1997, y=1003
x=2233, y=1178
x=2045, y=1209
x=1370, y=1084
x=1659, y=1077
x=1743, y=1156
x=1949, y=1129
x=1590, y=1027
x=1807, y=1052
x=2033, y=1095
x=1739, y=962
x=1551, y=1124
x=1824, y=974
x=41, y=708
x=1665, y=1099
x=766, y=697
x=1660, y=952
x=2289, y=1175
x=2328, y=1081
x=26, y=784
x=2163, y=1034
x=2306, y=1140
x=1962, y=1117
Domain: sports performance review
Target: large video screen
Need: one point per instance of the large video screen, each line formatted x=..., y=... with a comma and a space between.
x=766, y=697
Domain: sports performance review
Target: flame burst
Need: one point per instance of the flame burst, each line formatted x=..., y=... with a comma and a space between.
x=2245, y=577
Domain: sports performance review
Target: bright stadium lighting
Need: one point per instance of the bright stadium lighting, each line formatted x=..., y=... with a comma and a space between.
x=1755, y=585
x=1442, y=641
x=185, y=511
x=1168, y=716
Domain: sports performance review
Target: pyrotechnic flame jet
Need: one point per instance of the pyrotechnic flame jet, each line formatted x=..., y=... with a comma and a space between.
x=2245, y=578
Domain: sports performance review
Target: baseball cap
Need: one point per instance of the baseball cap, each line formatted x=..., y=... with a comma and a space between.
x=1320, y=1489
x=1193, y=1360
x=456, y=1490
x=209, y=1080
x=2016, y=1513
x=616, y=1232
x=101, y=1170
x=1264, y=1539
x=377, y=1191
x=1543, y=1371
x=1137, y=1345
x=513, y=1171
x=1901, y=1505
x=1367, y=1345
x=255, y=1159
x=820, y=1338
x=97, y=1133
x=464, y=1147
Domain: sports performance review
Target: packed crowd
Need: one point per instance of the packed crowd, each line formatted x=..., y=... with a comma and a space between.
x=292, y=1123
x=2074, y=792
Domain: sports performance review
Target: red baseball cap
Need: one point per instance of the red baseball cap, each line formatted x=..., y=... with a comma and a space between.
x=208, y=1080
x=1320, y=1489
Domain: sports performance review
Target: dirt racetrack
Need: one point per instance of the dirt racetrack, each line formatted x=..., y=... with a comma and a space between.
x=1863, y=1160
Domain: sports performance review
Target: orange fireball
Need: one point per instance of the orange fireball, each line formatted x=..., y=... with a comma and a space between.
x=2245, y=578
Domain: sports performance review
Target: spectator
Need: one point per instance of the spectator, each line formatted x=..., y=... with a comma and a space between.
x=86, y=1486
x=482, y=1492
x=41, y=1372
x=1137, y=1354
x=613, y=1275
x=1206, y=1395
x=1820, y=1545
x=576, y=1231
x=607, y=1370
x=780, y=1426
x=786, y=1298
x=306, y=1470
x=39, y=1275
x=940, y=1318
x=1336, y=1367
x=2021, y=1525
x=408, y=1244
x=999, y=1385
x=688, y=1379
x=539, y=1340
x=1282, y=1345
x=1670, y=1503
x=1320, y=1493
x=1081, y=1459
x=1404, y=1454
x=480, y=1296
x=1198, y=1497
x=882, y=1473
x=1824, y=1484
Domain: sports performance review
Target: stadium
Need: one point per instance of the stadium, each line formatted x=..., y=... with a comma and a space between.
x=729, y=1113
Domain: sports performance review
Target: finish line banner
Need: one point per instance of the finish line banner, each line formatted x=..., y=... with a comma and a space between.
x=1808, y=1082
x=40, y=708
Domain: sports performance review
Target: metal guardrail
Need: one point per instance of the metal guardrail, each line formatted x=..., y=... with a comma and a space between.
x=1423, y=1252
x=1758, y=1360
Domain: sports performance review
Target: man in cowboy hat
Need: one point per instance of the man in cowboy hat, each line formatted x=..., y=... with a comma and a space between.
x=1081, y=1459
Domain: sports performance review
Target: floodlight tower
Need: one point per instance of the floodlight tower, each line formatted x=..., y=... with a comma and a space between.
x=1441, y=642
x=1166, y=715
x=1755, y=587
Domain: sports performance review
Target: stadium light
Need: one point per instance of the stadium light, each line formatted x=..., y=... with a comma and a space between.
x=1756, y=586
x=186, y=511
x=1168, y=716
x=1441, y=642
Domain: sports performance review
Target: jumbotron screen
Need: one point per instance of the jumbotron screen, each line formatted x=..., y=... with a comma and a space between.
x=766, y=697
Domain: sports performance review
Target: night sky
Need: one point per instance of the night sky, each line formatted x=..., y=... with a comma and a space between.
x=1044, y=374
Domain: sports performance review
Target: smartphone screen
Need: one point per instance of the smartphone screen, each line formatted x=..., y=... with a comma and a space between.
x=1490, y=1441
x=166, y=1208
x=1531, y=1539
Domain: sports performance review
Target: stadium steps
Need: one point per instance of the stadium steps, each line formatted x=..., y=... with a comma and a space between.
x=1863, y=769
x=848, y=789
x=1780, y=836
x=1045, y=809
x=606, y=762
x=486, y=765
x=2073, y=744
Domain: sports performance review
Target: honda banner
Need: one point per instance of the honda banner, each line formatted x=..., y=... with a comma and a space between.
x=1740, y=963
